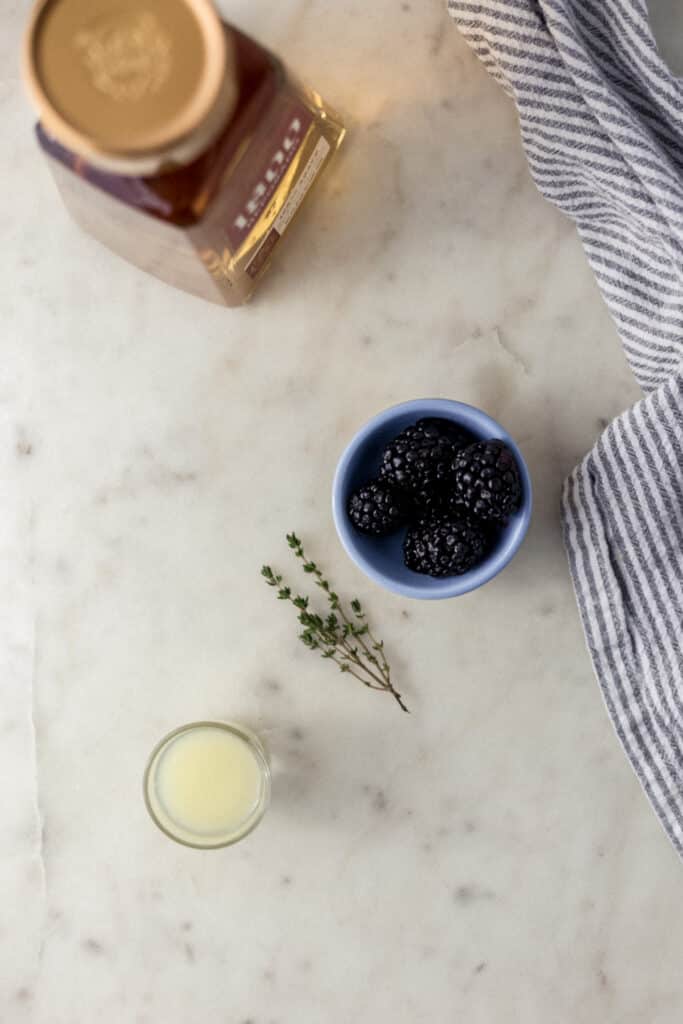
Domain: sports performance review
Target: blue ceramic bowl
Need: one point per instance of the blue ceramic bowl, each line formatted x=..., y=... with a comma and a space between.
x=382, y=558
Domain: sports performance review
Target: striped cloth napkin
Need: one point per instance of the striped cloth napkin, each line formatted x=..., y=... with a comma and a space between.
x=601, y=119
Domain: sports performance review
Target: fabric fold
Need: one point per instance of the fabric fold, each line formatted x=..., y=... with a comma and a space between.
x=601, y=119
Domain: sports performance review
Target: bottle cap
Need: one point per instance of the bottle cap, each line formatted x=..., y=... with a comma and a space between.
x=132, y=86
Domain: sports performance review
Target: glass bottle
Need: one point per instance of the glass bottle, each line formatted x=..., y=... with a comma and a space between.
x=174, y=139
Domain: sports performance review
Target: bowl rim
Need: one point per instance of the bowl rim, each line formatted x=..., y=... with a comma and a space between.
x=451, y=586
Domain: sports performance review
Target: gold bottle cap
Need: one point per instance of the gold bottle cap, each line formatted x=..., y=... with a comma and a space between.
x=133, y=86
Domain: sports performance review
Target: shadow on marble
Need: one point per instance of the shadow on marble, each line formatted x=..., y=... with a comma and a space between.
x=387, y=203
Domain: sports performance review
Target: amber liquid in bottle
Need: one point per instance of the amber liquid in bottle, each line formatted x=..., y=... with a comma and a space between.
x=210, y=226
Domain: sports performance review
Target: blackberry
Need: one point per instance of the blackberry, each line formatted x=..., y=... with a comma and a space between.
x=444, y=547
x=377, y=509
x=420, y=459
x=460, y=437
x=487, y=481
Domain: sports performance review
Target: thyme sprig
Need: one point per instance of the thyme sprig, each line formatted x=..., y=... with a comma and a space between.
x=342, y=635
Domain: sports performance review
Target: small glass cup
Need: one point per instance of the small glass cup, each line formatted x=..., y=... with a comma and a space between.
x=184, y=754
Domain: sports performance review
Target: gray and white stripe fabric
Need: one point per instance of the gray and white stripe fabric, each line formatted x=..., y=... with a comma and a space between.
x=601, y=119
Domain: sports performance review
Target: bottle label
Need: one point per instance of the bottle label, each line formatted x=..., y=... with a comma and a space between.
x=269, y=168
x=303, y=183
x=290, y=206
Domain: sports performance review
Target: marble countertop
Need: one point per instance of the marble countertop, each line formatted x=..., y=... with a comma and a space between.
x=489, y=857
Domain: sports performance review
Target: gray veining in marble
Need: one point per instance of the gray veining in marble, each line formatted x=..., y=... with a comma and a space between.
x=487, y=858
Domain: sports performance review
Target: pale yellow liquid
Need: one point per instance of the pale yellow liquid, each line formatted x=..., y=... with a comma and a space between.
x=207, y=785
